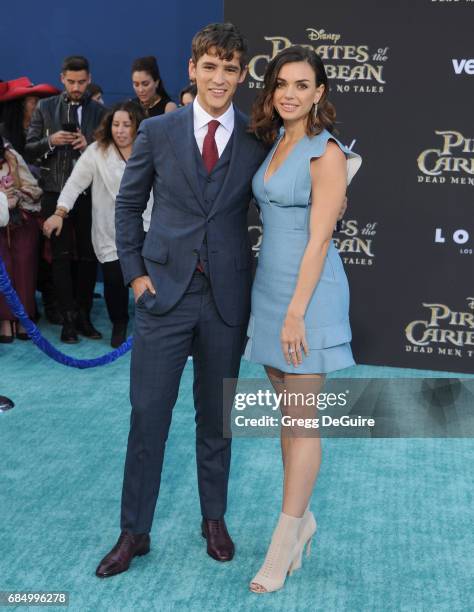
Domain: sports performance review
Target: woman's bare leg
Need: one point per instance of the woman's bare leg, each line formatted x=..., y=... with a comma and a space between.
x=277, y=378
x=301, y=455
x=300, y=447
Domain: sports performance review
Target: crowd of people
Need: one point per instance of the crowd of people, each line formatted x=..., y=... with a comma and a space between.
x=62, y=157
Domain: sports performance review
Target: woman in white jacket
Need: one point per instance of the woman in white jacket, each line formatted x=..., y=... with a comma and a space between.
x=102, y=165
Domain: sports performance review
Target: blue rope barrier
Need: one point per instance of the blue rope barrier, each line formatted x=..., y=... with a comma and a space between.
x=41, y=342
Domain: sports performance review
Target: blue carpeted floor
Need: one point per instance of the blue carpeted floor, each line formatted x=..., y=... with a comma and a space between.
x=395, y=516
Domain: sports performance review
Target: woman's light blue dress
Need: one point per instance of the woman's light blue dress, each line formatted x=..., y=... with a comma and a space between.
x=285, y=205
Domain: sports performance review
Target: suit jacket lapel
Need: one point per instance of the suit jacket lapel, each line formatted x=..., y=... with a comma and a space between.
x=180, y=133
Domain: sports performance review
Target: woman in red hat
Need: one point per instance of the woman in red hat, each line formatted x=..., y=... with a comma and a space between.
x=18, y=99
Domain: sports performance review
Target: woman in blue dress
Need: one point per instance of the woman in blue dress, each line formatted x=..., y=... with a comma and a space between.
x=299, y=326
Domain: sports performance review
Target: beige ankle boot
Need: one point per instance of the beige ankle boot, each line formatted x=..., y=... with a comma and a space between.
x=306, y=532
x=283, y=551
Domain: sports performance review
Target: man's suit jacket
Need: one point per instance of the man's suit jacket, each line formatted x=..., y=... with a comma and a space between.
x=164, y=157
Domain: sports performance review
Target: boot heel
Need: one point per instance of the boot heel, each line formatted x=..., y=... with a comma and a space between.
x=298, y=562
x=143, y=551
x=308, y=530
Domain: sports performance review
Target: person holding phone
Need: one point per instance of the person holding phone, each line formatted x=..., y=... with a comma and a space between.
x=60, y=130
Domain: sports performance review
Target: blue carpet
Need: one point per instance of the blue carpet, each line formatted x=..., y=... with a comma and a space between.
x=395, y=516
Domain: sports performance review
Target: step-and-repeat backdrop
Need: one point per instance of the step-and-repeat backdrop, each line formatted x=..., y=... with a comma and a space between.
x=402, y=81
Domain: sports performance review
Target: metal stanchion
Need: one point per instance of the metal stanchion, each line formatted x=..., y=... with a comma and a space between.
x=5, y=403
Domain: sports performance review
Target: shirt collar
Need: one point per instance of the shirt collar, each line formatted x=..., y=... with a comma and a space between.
x=202, y=118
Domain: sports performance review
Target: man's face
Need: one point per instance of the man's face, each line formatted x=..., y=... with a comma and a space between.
x=216, y=80
x=75, y=83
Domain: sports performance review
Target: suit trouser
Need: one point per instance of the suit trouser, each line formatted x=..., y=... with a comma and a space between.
x=161, y=345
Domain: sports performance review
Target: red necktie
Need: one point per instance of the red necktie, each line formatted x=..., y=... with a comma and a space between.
x=210, y=154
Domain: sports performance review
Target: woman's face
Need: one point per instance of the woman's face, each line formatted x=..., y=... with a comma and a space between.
x=187, y=98
x=296, y=91
x=29, y=106
x=98, y=98
x=123, y=131
x=144, y=86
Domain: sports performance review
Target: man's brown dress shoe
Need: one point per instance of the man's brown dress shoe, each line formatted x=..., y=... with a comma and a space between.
x=119, y=558
x=219, y=545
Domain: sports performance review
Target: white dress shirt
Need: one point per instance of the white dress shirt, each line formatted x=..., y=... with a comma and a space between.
x=223, y=132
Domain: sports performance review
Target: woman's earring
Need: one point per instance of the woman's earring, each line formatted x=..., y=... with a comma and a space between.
x=315, y=112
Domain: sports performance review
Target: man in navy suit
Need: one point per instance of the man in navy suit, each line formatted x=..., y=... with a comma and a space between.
x=191, y=278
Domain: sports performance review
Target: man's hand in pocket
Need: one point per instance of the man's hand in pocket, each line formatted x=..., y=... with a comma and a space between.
x=140, y=284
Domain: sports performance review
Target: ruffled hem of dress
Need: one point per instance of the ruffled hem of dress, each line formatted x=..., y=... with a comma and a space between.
x=317, y=337
x=319, y=361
